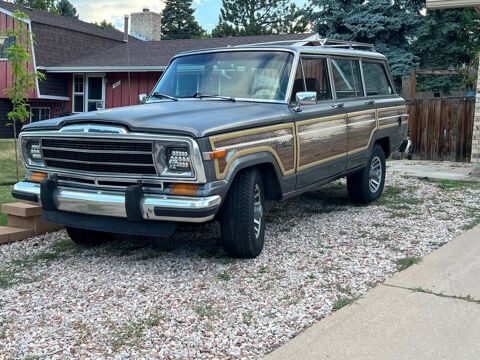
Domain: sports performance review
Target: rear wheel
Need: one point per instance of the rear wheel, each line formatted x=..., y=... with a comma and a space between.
x=87, y=237
x=243, y=216
x=367, y=185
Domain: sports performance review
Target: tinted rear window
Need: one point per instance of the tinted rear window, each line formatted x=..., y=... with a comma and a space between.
x=376, y=79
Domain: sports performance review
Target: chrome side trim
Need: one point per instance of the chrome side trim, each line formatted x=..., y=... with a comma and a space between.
x=109, y=203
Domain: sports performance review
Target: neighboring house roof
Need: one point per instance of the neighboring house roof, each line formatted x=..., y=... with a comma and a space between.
x=155, y=55
x=45, y=18
x=59, y=39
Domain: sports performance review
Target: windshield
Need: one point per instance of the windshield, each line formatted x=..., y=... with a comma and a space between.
x=260, y=75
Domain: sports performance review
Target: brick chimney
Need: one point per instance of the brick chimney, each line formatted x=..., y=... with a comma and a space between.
x=146, y=25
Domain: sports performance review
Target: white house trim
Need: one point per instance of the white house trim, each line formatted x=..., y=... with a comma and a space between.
x=52, y=97
x=102, y=69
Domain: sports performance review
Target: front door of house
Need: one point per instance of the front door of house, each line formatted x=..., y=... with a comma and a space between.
x=95, y=99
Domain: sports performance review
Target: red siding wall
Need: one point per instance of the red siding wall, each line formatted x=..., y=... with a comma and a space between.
x=140, y=83
x=6, y=78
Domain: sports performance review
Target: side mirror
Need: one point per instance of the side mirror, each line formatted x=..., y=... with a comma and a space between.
x=306, y=98
x=142, y=98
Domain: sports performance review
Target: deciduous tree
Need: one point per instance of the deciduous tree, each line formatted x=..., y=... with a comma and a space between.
x=43, y=5
x=24, y=80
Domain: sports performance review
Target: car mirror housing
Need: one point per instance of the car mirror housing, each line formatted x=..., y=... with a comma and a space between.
x=306, y=98
x=142, y=98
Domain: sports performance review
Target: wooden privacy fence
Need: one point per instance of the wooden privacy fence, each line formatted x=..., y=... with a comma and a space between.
x=442, y=128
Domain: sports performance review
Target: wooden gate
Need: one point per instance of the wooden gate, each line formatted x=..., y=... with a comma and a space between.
x=442, y=128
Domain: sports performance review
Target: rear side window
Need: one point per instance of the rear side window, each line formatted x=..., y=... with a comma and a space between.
x=376, y=79
x=347, y=78
x=316, y=77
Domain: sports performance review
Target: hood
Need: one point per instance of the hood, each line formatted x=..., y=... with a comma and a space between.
x=196, y=118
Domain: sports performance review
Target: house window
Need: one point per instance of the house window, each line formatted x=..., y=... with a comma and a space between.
x=39, y=113
x=5, y=43
x=78, y=93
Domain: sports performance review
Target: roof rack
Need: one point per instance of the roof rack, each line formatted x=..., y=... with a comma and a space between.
x=317, y=41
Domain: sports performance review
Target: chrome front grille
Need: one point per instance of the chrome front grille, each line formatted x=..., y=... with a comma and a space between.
x=125, y=157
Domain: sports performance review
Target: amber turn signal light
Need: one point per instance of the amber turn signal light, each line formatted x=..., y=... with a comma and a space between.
x=184, y=189
x=212, y=155
x=37, y=177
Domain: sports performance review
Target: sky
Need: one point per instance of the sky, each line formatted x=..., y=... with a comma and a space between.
x=207, y=11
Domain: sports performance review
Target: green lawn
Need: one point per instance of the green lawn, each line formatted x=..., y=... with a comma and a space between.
x=5, y=197
x=7, y=163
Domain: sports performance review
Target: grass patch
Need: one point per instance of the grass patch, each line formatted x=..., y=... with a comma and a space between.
x=5, y=197
x=224, y=276
x=450, y=184
x=247, y=318
x=474, y=215
x=342, y=302
x=405, y=263
x=8, y=174
x=263, y=269
x=131, y=333
x=12, y=273
x=205, y=311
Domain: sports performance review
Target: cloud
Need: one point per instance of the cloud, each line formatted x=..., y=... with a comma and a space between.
x=112, y=10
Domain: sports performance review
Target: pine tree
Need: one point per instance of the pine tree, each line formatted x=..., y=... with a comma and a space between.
x=446, y=40
x=43, y=5
x=260, y=17
x=388, y=24
x=105, y=24
x=178, y=21
x=65, y=8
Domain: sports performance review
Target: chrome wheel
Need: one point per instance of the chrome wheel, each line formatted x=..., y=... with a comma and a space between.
x=257, y=211
x=375, y=178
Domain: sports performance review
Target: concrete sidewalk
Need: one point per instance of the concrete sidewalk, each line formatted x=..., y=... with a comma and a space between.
x=437, y=170
x=429, y=311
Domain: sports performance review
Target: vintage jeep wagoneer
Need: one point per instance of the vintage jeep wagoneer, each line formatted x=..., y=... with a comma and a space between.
x=223, y=130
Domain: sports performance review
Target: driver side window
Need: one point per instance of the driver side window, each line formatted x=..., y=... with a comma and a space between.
x=312, y=75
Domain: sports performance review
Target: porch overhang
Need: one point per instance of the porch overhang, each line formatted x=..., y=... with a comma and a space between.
x=452, y=4
x=100, y=69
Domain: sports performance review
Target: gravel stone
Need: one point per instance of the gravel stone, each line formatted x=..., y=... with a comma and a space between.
x=130, y=299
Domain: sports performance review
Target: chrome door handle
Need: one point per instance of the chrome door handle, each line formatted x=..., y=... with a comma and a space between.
x=369, y=102
x=339, y=105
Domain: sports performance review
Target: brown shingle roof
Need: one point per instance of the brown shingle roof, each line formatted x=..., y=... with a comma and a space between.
x=46, y=18
x=159, y=53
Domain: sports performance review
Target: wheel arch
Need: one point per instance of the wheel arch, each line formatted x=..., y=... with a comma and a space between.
x=271, y=173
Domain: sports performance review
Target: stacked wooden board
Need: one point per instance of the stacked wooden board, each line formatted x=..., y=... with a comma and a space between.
x=24, y=220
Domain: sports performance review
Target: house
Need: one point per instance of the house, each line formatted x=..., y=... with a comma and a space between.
x=88, y=67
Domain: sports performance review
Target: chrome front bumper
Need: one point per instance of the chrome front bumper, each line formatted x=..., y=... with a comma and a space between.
x=108, y=203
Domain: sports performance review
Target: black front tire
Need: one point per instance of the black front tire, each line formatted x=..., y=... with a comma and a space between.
x=243, y=216
x=87, y=237
x=360, y=186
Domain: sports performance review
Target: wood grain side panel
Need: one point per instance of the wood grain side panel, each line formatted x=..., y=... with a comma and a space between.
x=278, y=140
x=320, y=141
x=360, y=129
x=389, y=117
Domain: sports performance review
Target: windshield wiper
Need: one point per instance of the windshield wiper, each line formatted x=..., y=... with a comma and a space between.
x=162, y=96
x=203, y=96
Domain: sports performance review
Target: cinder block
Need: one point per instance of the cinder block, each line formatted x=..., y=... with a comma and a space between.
x=11, y=234
x=35, y=223
x=21, y=209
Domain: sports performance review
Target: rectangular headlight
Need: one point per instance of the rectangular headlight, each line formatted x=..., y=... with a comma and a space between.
x=32, y=152
x=178, y=159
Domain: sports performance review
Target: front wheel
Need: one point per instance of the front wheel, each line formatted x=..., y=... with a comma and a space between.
x=243, y=216
x=87, y=237
x=367, y=185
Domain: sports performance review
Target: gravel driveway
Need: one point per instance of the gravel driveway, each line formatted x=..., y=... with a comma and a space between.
x=130, y=299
